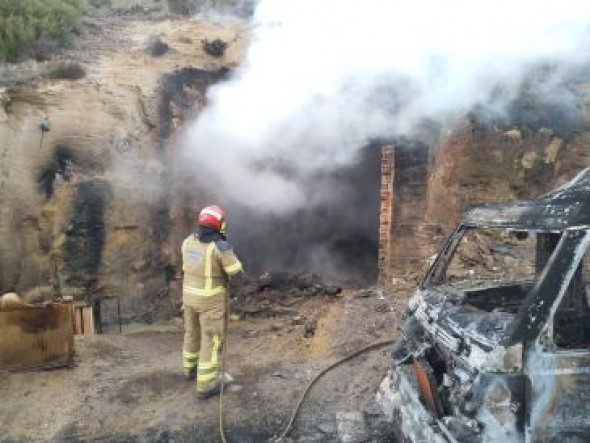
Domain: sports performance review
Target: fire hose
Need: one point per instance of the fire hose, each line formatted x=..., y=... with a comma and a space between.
x=297, y=408
x=223, y=356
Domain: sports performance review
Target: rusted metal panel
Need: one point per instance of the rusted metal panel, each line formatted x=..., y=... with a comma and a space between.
x=425, y=379
x=36, y=337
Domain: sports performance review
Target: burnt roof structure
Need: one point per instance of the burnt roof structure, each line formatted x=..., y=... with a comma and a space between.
x=565, y=207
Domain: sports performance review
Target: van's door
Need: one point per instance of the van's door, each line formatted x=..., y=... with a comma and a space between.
x=557, y=362
x=558, y=395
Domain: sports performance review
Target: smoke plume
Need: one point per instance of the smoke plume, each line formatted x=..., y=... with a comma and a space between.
x=323, y=77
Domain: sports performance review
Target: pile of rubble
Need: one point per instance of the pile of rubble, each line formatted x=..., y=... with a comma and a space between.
x=270, y=293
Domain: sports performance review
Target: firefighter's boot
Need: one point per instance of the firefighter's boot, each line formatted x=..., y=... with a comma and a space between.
x=190, y=362
x=210, y=391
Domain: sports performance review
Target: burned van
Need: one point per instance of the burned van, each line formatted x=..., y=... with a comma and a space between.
x=496, y=342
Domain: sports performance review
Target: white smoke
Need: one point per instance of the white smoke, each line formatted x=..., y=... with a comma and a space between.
x=323, y=77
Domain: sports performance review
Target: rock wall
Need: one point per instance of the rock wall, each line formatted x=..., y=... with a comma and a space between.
x=92, y=207
x=481, y=161
x=78, y=199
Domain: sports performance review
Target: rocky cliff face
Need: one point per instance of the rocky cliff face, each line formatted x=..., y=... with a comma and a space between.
x=89, y=207
x=535, y=148
x=99, y=204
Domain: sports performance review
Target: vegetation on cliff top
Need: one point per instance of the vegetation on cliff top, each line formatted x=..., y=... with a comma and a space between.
x=24, y=23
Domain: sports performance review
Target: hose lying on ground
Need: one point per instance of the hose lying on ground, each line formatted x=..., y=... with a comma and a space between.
x=317, y=377
x=297, y=408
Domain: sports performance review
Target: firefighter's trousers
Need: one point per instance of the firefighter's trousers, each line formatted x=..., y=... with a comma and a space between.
x=203, y=338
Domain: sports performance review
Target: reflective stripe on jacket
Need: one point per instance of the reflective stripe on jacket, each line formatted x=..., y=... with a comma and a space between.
x=207, y=266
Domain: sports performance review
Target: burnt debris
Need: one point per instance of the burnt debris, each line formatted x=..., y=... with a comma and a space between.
x=282, y=284
x=302, y=284
x=272, y=294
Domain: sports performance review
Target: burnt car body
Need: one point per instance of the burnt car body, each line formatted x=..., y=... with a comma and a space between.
x=496, y=342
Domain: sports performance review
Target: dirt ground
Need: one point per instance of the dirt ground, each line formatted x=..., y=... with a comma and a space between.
x=130, y=386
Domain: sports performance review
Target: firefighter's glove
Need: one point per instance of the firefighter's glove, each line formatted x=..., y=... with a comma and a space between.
x=237, y=280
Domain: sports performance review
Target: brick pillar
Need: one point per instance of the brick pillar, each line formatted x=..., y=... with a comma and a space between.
x=386, y=213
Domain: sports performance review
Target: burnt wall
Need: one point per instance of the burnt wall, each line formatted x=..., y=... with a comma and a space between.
x=85, y=234
x=534, y=146
x=411, y=235
x=180, y=92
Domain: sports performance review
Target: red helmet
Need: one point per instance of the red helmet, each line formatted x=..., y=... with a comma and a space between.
x=212, y=216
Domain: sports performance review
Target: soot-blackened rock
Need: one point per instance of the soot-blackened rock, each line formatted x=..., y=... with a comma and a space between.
x=215, y=48
x=57, y=168
x=86, y=235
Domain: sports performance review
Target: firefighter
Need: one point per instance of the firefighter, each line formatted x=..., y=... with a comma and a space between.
x=208, y=261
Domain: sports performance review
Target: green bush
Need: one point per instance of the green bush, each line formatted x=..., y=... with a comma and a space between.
x=23, y=22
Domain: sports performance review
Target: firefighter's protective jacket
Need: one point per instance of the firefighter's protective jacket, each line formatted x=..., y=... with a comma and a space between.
x=207, y=266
